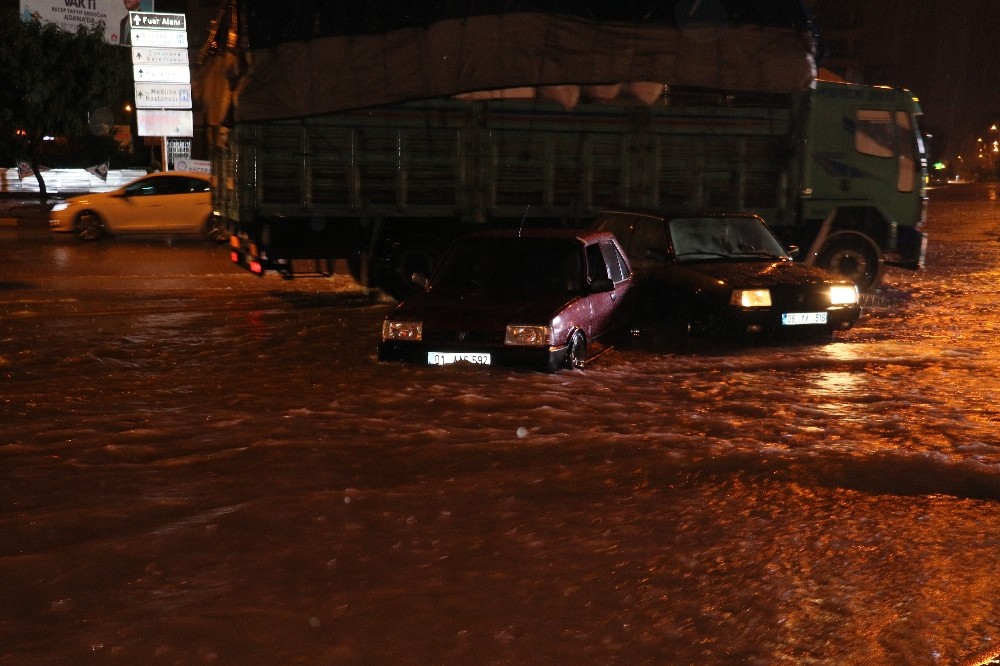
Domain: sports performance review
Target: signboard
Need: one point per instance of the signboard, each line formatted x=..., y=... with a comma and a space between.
x=69, y=14
x=162, y=96
x=169, y=123
x=151, y=37
x=162, y=73
x=158, y=21
x=202, y=166
x=158, y=56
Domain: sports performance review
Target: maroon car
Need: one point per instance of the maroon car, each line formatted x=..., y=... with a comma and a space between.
x=547, y=298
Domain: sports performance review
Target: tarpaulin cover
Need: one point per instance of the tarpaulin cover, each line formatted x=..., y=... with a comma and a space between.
x=312, y=58
x=270, y=23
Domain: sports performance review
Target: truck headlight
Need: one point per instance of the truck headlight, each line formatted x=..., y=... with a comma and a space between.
x=527, y=335
x=843, y=294
x=751, y=298
x=410, y=331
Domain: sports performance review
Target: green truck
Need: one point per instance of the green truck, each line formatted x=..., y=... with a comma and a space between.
x=838, y=170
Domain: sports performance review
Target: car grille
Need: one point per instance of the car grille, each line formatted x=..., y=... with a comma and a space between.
x=800, y=299
x=464, y=338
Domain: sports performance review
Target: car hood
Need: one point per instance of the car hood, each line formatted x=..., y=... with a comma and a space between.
x=759, y=274
x=89, y=197
x=483, y=310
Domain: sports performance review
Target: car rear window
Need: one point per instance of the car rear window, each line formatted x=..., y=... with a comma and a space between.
x=511, y=263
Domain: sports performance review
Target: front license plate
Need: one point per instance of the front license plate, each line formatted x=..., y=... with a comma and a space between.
x=801, y=318
x=447, y=358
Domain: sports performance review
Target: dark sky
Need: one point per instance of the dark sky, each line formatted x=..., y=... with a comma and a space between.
x=948, y=53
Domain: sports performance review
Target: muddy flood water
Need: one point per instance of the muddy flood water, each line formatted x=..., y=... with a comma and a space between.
x=201, y=467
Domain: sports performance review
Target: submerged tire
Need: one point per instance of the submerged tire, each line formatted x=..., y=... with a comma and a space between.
x=576, y=355
x=855, y=256
x=89, y=226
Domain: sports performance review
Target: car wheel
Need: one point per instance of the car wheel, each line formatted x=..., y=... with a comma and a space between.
x=576, y=355
x=855, y=256
x=216, y=230
x=89, y=226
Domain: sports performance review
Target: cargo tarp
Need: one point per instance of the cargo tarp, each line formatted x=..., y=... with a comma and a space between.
x=487, y=52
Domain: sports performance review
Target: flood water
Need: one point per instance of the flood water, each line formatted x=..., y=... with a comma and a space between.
x=202, y=467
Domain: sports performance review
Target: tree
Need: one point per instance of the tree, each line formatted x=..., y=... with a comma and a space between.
x=53, y=80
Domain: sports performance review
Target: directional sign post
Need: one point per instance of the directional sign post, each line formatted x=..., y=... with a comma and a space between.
x=162, y=95
x=164, y=38
x=162, y=75
x=159, y=56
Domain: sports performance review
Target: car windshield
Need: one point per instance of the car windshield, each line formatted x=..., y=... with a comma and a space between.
x=712, y=237
x=494, y=264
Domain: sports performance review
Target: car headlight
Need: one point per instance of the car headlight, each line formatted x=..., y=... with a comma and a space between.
x=527, y=335
x=411, y=331
x=751, y=298
x=60, y=206
x=843, y=294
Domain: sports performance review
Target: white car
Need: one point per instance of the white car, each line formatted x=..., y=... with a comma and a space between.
x=170, y=202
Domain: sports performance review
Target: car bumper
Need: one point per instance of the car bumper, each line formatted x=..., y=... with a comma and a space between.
x=769, y=322
x=541, y=358
x=60, y=224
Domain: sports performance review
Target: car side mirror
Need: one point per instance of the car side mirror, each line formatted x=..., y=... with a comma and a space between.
x=793, y=251
x=420, y=279
x=601, y=285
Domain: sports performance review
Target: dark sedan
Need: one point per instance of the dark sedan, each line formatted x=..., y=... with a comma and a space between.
x=549, y=299
x=727, y=274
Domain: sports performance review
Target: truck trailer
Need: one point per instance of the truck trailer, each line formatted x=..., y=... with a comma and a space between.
x=383, y=180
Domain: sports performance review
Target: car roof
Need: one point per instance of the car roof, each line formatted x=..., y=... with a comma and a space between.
x=200, y=175
x=581, y=235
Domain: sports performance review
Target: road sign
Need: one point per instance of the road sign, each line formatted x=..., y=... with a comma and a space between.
x=162, y=95
x=162, y=73
x=152, y=37
x=159, y=56
x=158, y=20
x=164, y=123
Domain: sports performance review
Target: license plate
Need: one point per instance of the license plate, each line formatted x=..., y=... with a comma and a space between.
x=447, y=358
x=802, y=318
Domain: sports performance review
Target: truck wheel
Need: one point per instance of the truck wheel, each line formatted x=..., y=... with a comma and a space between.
x=855, y=256
x=409, y=256
x=215, y=229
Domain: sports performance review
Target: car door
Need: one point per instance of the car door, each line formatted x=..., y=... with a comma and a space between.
x=644, y=239
x=169, y=206
x=166, y=204
x=188, y=206
x=137, y=209
x=609, y=309
x=622, y=276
